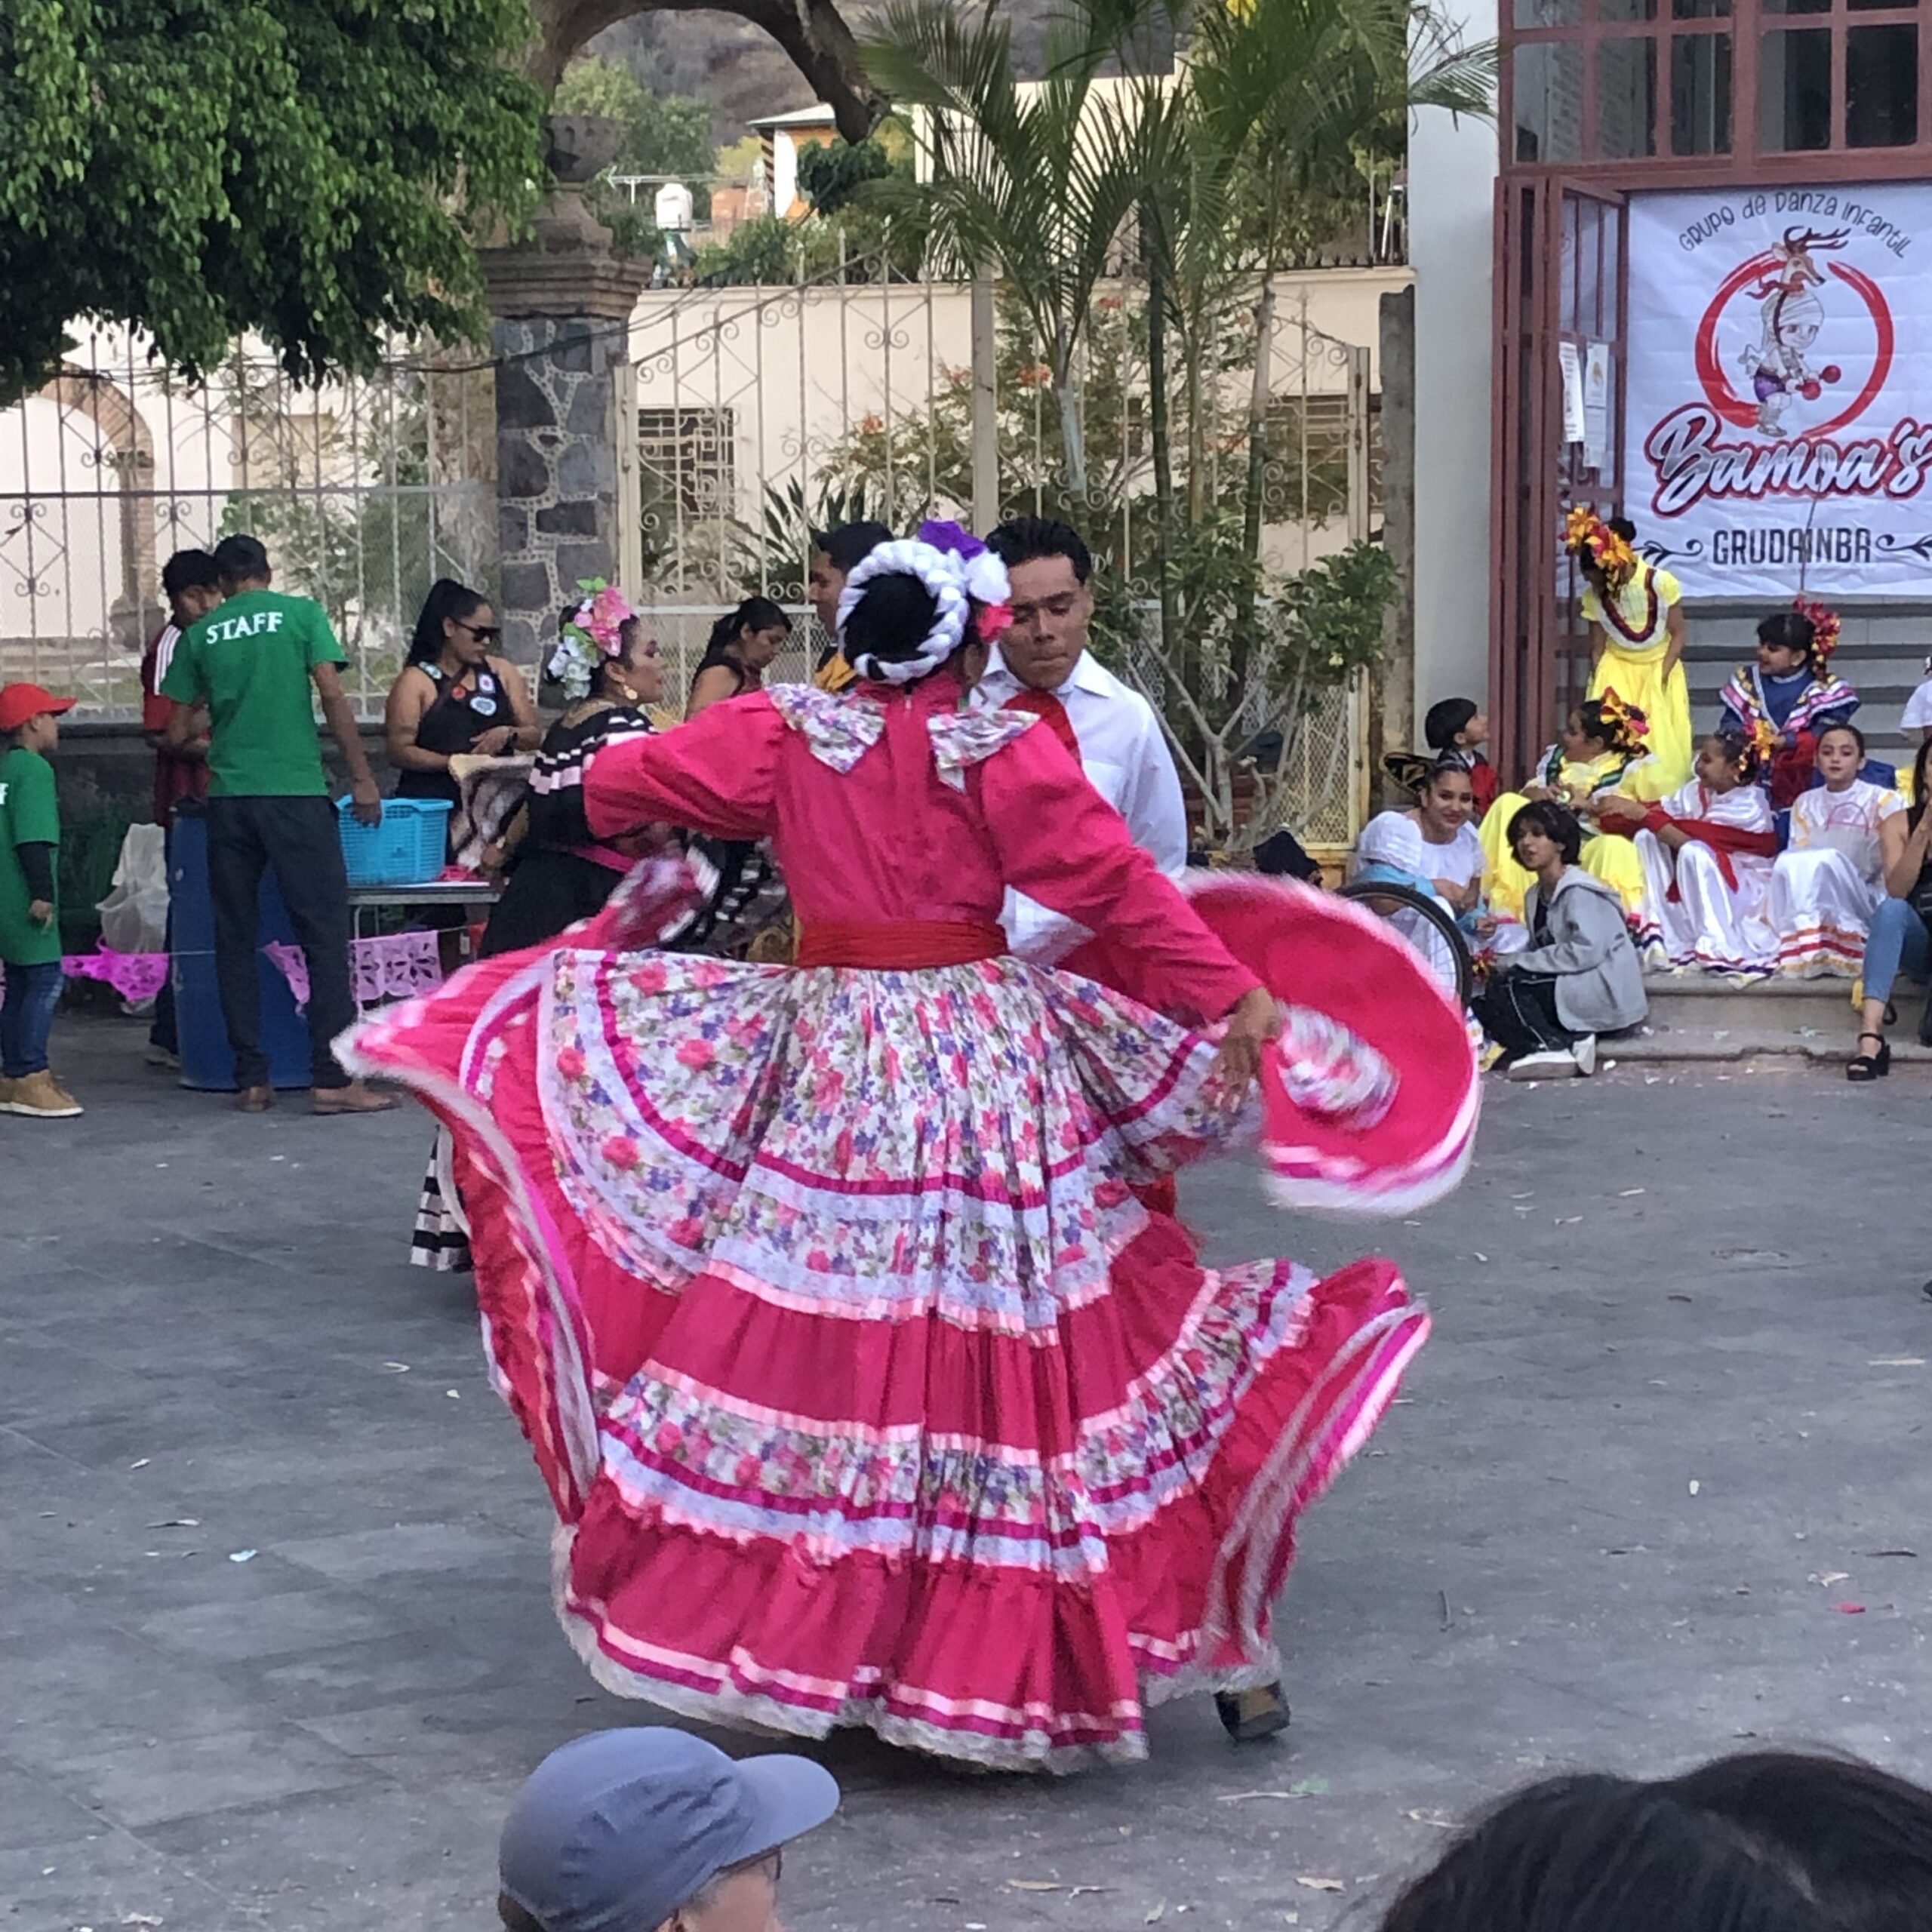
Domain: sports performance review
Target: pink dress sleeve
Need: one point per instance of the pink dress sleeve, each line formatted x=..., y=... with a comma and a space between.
x=1059, y=841
x=716, y=775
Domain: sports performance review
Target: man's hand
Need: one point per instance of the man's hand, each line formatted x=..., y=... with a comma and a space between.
x=365, y=798
x=40, y=912
x=1254, y=1022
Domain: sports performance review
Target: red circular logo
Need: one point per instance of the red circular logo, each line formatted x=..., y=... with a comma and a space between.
x=1746, y=412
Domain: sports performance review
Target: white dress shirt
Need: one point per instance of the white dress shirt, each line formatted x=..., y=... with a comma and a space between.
x=1127, y=762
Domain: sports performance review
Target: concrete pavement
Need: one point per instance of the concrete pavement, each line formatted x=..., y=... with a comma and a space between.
x=277, y=1648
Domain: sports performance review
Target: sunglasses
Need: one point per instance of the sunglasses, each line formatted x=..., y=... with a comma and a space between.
x=483, y=633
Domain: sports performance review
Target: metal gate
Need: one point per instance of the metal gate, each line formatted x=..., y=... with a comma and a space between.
x=1562, y=295
x=364, y=490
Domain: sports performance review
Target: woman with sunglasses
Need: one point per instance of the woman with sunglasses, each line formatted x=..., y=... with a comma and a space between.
x=453, y=697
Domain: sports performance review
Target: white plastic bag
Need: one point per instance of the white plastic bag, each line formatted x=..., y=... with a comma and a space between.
x=133, y=916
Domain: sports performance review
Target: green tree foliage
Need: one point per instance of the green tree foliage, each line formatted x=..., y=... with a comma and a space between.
x=317, y=171
x=663, y=133
x=831, y=173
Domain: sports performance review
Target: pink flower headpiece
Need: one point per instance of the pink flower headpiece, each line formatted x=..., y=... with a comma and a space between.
x=595, y=633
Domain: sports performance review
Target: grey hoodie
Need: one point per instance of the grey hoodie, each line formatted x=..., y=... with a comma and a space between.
x=1599, y=979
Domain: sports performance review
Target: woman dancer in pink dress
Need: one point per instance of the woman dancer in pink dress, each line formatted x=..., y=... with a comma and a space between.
x=867, y=1391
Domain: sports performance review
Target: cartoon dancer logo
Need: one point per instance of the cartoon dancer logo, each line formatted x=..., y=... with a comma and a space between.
x=1791, y=317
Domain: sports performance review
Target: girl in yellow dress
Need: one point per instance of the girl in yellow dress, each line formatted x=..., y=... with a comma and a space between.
x=1636, y=619
x=1600, y=750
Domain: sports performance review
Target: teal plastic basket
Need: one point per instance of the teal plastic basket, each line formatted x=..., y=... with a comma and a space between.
x=406, y=848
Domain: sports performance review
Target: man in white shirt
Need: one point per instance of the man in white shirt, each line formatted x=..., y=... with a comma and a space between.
x=1042, y=664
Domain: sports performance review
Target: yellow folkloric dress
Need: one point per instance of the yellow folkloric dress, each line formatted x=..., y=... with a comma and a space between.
x=1610, y=856
x=1635, y=645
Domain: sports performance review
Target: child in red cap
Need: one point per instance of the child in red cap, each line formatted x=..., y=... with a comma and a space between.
x=29, y=913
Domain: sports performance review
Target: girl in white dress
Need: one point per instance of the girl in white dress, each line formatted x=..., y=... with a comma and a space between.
x=1433, y=847
x=1829, y=882
x=1707, y=852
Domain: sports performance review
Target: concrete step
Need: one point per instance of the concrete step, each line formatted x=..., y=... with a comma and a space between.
x=1695, y=1017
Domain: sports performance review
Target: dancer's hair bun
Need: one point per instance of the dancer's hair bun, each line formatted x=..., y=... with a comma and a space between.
x=891, y=620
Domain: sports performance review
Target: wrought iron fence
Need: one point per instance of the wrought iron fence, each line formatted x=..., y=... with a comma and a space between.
x=766, y=412
x=364, y=490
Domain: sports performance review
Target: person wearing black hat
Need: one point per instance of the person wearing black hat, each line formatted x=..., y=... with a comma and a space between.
x=645, y=1829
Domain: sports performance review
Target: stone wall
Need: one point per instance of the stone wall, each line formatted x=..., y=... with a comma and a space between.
x=556, y=468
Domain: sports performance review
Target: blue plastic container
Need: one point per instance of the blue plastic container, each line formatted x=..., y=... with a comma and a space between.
x=206, y=1061
x=407, y=848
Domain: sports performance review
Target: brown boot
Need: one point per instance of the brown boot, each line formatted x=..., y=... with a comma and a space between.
x=40, y=1097
x=254, y=1100
x=355, y=1098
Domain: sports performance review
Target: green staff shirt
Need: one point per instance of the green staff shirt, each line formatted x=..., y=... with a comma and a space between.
x=249, y=661
x=29, y=815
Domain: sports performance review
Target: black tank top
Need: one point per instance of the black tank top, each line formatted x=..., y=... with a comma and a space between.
x=464, y=709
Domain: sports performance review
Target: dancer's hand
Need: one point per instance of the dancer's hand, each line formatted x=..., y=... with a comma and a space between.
x=1253, y=1023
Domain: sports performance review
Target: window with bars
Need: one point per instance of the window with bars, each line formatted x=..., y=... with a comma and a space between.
x=1617, y=80
x=1308, y=450
x=689, y=457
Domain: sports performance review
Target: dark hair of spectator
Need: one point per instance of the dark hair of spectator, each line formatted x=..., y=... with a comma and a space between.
x=1026, y=540
x=1788, y=630
x=241, y=559
x=1736, y=749
x=892, y=619
x=448, y=599
x=1448, y=768
x=190, y=569
x=1921, y=777
x=755, y=613
x=1622, y=526
x=1556, y=822
x=1858, y=736
x=1772, y=1842
x=1444, y=720
x=846, y=548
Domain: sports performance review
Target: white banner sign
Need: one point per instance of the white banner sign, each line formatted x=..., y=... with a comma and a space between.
x=1778, y=422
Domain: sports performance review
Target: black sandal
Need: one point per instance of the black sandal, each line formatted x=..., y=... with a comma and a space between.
x=1248, y=1716
x=1864, y=1067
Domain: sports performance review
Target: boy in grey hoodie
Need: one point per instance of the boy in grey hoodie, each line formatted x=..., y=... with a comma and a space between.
x=1580, y=975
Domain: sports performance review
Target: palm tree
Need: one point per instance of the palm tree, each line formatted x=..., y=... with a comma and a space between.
x=1038, y=180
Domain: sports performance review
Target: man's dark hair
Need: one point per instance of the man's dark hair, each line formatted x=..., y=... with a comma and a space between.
x=1771, y=1843
x=1556, y=822
x=190, y=569
x=1026, y=540
x=241, y=559
x=848, y=546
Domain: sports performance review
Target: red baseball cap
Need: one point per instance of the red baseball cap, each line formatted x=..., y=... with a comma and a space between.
x=18, y=703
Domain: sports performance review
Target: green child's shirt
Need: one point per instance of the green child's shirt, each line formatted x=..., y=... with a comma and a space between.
x=249, y=661
x=29, y=815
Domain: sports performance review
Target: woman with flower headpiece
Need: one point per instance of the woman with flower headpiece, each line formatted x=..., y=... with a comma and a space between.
x=1602, y=747
x=1707, y=852
x=1636, y=618
x=867, y=1391
x=610, y=673
x=1830, y=879
x=1791, y=691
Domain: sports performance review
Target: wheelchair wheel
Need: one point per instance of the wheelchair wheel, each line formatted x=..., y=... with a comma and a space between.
x=1428, y=926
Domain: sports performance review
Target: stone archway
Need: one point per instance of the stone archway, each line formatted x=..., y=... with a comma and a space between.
x=812, y=31
x=129, y=447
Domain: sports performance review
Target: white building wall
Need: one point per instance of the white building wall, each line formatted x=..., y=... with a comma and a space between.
x=1453, y=167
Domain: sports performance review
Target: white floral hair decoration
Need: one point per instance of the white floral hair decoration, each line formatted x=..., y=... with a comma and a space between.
x=957, y=570
x=593, y=635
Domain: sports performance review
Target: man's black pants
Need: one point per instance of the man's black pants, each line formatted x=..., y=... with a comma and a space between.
x=298, y=838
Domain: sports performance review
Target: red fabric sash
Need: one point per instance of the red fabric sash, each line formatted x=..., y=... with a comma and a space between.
x=1044, y=705
x=904, y=947
x=1724, y=840
x=1792, y=767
